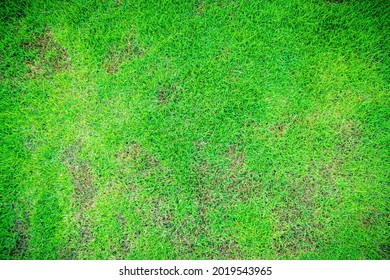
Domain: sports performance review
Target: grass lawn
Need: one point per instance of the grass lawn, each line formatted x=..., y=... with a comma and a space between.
x=195, y=129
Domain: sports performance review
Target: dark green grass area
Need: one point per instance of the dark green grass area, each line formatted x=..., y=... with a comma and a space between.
x=195, y=129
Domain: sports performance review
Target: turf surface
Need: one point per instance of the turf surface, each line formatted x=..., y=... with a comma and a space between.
x=194, y=129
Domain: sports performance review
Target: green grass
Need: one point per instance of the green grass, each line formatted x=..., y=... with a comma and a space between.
x=195, y=129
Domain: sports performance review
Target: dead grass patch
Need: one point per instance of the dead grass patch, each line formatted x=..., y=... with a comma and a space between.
x=133, y=156
x=224, y=56
x=162, y=215
x=130, y=152
x=166, y=94
x=278, y=129
x=216, y=187
x=118, y=55
x=185, y=236
x=228, y=250
x=199, y=8
x=218, y=184
x=21, y=229
x=82, y=178
x=126, y=244
x=237, y=158
x=296, y=225
x=384, y=250
x=349, y=134
x=50, y=56
x=192, y=231
x=371, y=218
x=243, y=184
x=201, y=145
x=84, y=195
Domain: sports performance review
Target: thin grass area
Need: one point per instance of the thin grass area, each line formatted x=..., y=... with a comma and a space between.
x=194, y=129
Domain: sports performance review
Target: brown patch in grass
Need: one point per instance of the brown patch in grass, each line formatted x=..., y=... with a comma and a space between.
x=296, y=225
x=296, y=218
x=130, y=152
x=22, y=240
x=245, y=190
x=205, y=198
x=224, y=56
x=237, y=158
x=295, y=239
x=138, y=158
x=350, y=135
x=112, y=66
x=119, y=55
x=212, y=190
x=166, y=94
x=51, y=57
x=192, y=230
x=215, y=187
x=233, y=182
x=201, y=145
x=228, y=250
x=126, y=242
x=297, y=228
x=243, y=184
x=384, y=250
x=185, y=236
x=194, y=226
x=278, y=130
x=162, y=216
x=85, y=229
x=200, y=8
x=84, y=195
x=35, y=70
x=373, y=217
x=82, y=178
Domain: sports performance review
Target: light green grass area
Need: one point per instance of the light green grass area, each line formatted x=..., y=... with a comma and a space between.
x=195, y=129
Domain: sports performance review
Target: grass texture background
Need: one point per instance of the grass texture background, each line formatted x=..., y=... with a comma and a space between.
x=194, y=129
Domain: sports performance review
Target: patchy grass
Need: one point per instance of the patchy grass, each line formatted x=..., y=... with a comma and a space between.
x=118, y=55
x=194, y=130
